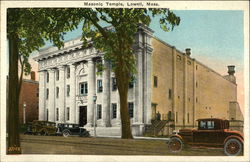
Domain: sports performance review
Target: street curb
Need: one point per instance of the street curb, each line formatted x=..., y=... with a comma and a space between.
x=137, y=137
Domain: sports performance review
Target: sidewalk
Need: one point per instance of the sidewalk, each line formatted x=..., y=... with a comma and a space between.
x=137, y=137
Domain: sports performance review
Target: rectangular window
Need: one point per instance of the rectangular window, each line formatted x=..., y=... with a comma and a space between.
x=114, y=84
x=99, y=111
x=155, y=81
x=83, y=88
x=114, y=110
x=68, y=72
x=47, y=93
x=57, y=92
x=57, y=74
x=188, y=117
x=47, y=113
x=169, y=93
x=68, y=109
x=47, y=77
x=68, y=90
x=203, y=125
x=176, y=118
x=57, y=114
x=131, y=109
x=196, y=99
x=196, y=84
x=99, y=85
x=210, y=124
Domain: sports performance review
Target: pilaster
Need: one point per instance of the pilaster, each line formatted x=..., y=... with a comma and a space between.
x=184, y=90
x=174, y=81
x=139, y=88
x=194, y=92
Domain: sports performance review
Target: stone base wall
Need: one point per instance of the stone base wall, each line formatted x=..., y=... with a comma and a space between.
x=137, y=130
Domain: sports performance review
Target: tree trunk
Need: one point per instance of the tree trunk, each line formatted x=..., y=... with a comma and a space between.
x=13, y=102
x=125, y=119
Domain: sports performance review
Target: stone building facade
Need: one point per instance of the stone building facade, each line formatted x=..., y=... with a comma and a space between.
x=166, y=81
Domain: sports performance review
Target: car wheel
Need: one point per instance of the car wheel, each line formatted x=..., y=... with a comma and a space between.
x=66, y=133
x=233, y=147
x=43, y=133
x=85, y=134
x=175, y=145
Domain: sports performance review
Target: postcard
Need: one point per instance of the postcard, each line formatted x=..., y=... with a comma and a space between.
x=124, y=81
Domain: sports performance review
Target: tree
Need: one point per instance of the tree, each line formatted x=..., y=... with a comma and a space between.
x=27, y=30
x=117, y=41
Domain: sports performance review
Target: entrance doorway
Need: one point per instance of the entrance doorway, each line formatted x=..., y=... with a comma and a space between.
x=82, y=116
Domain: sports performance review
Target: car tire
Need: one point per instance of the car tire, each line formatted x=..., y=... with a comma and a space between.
x=233, y=147
x=85, y=134
x=65, y=133
x=175, y=144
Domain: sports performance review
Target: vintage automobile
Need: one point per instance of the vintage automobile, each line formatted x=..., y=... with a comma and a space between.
x=67, y=129
x=211, y=132
x=38, y=127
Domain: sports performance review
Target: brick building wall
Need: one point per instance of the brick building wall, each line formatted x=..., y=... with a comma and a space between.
x=28, y=96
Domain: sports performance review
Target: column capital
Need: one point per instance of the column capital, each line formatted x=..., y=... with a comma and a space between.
x=61, y=67
x=41, y=71
x=71, y=65
x=51, y=70
x=90, y=60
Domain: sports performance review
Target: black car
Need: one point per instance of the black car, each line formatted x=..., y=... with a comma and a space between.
x=67, y=129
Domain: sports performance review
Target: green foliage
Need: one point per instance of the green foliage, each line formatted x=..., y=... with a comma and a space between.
x=117, y=38
x=35, y=25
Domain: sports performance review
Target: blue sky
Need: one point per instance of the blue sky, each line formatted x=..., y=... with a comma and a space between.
x=216, y=39
x=217, y=34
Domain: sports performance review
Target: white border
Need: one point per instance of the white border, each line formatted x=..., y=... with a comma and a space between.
x=176, y=5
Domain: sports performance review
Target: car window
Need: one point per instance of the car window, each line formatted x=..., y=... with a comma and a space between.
x=203, y=124
x=210, y=124
x=70, y=126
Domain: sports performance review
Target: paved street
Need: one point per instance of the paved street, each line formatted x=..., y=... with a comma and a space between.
x=103, y=146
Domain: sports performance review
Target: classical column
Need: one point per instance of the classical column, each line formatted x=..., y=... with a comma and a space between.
x=61, y=101
x=106, y=94
x=51, y=101
x=91, y=91
x=72, y=94
x=118, y=113
x=42, y=91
